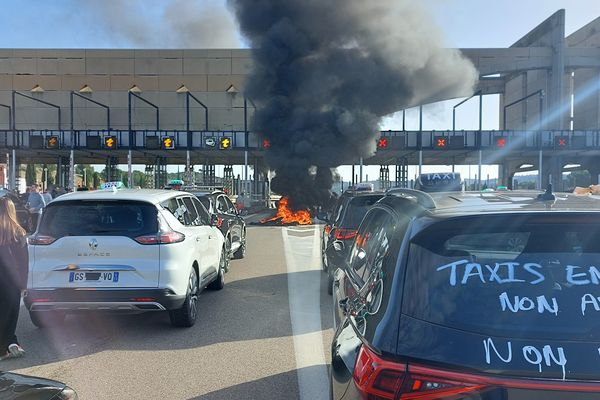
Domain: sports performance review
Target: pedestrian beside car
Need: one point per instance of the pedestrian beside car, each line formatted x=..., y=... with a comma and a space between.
x=13, y=277
x=35, y=205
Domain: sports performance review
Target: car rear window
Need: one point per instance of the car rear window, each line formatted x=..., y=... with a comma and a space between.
x=99, y=218
x=513, y=275
x=356, y=210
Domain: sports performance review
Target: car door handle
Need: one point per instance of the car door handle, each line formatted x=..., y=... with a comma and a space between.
x=198, y=238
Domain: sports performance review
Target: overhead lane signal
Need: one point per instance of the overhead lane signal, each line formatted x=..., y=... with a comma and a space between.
x=266, y=144
x=440, y=142
x=561, y=141
x=110, y=142
x=52, y=142
x=501, y=142
x=168, y=143
x=225, y=143
x=382, y=143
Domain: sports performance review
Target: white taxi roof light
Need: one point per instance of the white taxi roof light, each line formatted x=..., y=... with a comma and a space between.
x=114, y=186
x=364, y=187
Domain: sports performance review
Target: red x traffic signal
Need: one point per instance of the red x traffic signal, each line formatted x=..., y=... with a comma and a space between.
x=382, y=143
x=440, y=142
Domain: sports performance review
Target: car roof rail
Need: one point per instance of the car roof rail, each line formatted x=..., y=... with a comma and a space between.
x=423, y=199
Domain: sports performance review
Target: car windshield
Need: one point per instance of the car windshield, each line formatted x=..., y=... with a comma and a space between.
x=530, y=277
x=109, y=218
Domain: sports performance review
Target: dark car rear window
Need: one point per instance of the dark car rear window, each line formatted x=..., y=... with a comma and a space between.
x=356, y=210
x=109, y=218
x=509, y=275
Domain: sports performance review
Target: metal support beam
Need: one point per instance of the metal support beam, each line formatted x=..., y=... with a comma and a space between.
x=107, y=108
x=420, y=161
x=130, y=97
x=536, y=93
x=540, y=169
x=13, y=170
x=72, y=170
x=9, y=108
x=479, y=92
x=15, y=93
x=360, y=171
x=129, y=170
x=189, y=96
x=479, y=170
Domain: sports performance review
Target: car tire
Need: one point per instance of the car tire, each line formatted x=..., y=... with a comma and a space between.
x=186, y=316
x=219, y=282
x=229, y=254
x=45, y=319
x=241, y=252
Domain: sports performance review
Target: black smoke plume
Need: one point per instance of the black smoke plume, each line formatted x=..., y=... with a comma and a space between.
x=325, y=73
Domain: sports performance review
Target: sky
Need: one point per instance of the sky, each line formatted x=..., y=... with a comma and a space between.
x=208, y=24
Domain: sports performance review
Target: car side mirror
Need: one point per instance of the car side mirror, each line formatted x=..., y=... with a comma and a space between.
x=338, y=246
x=323, y=216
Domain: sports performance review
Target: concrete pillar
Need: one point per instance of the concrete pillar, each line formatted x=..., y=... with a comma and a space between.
x=552, y=173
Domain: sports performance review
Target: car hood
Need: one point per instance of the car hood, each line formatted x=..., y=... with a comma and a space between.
x=15, y=386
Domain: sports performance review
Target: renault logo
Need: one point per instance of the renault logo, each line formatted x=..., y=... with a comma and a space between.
x=93, y=244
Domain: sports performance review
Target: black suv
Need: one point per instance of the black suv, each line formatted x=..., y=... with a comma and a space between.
x=229, y=221
x=340, y=228
x=470, y=296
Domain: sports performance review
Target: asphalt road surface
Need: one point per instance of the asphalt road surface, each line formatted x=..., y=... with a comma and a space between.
x=265, y=336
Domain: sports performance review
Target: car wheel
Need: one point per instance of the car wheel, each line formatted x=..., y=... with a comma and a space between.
x=219, y=283
x=228, y=251
x=188, y=313
x=44, y=319
x=241, y=252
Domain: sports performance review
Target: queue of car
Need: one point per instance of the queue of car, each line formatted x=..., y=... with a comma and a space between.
x=469, y=295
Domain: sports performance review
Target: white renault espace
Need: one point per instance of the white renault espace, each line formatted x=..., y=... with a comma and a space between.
x=124, y=250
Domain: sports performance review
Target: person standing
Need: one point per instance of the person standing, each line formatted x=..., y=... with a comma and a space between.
x=35, y=205
x=14, y=263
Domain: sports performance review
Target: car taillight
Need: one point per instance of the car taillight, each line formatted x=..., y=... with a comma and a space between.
x=345, y=234
x=161, y=238
x=41, y=240
x=378, y=379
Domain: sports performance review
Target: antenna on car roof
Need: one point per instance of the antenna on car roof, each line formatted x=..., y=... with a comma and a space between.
x=423, y=199
x=548, y=195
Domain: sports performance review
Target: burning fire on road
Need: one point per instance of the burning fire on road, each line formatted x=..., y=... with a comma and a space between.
x=285, y=216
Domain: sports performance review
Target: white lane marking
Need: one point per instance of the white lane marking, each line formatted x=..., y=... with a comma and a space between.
x=304, y=292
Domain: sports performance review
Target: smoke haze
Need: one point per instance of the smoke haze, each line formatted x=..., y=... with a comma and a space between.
x=326, y=72
x=162, y=24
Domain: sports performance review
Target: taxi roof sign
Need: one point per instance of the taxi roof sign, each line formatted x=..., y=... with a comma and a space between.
x=112, y=185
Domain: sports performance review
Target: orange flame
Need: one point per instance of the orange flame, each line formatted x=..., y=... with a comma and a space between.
x=287, y=216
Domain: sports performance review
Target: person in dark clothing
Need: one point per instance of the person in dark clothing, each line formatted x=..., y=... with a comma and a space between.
x=13, y=277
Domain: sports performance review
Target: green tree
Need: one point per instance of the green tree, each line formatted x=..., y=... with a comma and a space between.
x=30, y=174
x=96, y=180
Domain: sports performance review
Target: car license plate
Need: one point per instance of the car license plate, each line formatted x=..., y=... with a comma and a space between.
x=93, y=276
